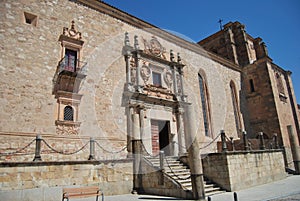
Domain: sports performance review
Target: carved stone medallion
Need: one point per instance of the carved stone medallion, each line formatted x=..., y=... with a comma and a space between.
x=168, y=78
x=154, y=47
x=145, y=73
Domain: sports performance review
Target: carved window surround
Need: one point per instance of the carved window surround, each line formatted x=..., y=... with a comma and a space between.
x=142, y=66
x=67, y=80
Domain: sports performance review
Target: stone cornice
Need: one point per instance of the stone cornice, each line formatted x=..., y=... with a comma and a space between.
x=138, y=23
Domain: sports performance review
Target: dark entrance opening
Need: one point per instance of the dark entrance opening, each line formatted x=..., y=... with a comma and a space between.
x=160, y=136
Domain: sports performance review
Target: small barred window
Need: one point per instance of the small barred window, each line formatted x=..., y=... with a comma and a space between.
x=68, y=113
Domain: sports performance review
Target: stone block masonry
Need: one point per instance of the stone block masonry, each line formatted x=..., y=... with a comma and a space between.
x=235, y=171
x=44, y=180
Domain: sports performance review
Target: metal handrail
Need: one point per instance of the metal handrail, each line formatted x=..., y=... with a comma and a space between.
x=80, y=66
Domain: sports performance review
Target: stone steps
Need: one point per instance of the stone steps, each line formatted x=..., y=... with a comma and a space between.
x=181, y=173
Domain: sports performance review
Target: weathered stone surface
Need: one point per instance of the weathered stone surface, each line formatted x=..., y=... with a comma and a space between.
x=239, y=170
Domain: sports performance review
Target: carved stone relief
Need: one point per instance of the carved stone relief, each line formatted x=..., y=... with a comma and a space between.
x=72, y=32
x=154, y=47
x=168, y=78
x=63, y=129
x=178, y=84
x=132, y=70
x=145, y=72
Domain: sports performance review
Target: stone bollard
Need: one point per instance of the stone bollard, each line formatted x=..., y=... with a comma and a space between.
x=276, y=145
x=92, y=149
x=161, y=166
x=261, y=141
x=245, y=140
x=161, y=159
x=37, y=156
x=235, y=197
x=223, y=138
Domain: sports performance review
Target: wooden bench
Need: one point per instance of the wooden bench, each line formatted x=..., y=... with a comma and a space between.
x=82, y=192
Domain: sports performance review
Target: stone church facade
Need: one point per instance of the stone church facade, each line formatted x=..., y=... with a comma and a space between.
x=72, y=71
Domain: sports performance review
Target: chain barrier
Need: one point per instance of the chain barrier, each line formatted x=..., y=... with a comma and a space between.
x=112, y=152
x=178, y=177
x=210, y=142
x=62, y=152
x=19, y=150
x=144, y=149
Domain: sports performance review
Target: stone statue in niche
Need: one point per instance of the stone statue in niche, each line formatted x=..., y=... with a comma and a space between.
x=168, y=79
x=145, y=72
x=132, y=70
x=154, y=47
x=133, y=74
x=178, y=84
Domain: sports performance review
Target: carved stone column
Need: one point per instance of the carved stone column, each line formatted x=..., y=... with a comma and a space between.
x=180, y=132
x=142, y=123
x=137, y=59
x=181, y=83
x=129, y=112
x=136, y=149
x=194, y=153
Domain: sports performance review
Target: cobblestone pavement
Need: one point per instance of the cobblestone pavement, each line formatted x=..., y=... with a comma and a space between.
x=288, y=198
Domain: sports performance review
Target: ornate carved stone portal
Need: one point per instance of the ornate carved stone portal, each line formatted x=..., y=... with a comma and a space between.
x=153, y=82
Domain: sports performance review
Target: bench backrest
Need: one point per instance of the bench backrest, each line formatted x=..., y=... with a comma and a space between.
x=81, y=191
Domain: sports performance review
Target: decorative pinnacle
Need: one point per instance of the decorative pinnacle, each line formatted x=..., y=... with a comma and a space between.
x=178, y=58
x=127, y=42
x=171, y=55
x=136, y=43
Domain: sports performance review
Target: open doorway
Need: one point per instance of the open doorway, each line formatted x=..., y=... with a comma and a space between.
x=160, y=131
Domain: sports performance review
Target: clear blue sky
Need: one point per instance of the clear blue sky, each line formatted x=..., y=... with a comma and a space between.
x=277, y=22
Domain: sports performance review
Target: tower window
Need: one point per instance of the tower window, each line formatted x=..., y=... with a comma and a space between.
x=68, y=113
x=30, y=18
x=280, y=86
x=252, y=89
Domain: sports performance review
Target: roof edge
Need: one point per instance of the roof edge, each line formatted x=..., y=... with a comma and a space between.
x=139, y=23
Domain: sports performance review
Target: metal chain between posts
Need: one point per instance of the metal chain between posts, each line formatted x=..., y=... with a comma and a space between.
x=210, y=142
x=64, y=153
x=19, y=150
x=178, y=177
x=144, y=148
x=112, y=152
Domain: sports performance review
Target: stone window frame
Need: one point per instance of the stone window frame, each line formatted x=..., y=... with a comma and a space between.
x=235, y=104
x=159, y=70
x=30, y=18
x=205, y=104
x=251, y=85
x=65, y=101
x=68, y=113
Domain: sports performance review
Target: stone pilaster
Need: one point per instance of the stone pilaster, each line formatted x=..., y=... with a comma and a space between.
x=194, y=154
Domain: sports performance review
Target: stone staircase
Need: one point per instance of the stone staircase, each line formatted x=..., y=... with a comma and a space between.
x=181, y=173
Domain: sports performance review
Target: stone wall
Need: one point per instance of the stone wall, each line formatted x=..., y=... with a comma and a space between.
x=162, y=184
x=20, y=147
x=235, y=171
x=30, y=55
x=44, y=180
